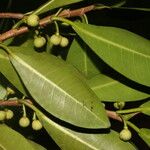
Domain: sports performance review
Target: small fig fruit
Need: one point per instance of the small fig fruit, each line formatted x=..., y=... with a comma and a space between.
x=24, y=122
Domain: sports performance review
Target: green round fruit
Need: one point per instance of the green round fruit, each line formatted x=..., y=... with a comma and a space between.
x=36, y=125
x=64, y=42
x=119, y=105
x=2, y=115
x=39, y=42
x=9, y=114
x=55, y=39
x=24, y=122
x=125, y=135
x=32, y=20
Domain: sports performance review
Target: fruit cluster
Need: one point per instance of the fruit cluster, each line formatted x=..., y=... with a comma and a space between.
x=6, y=114
x=39, y=41
x=25, y=122
x=57, y=39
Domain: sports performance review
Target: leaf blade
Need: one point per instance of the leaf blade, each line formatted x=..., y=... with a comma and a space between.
x=68, y=139
x=36, y=145
x=83, y=59
x=131, y=50
x=58, y=92
x=7, y=134
x=145, y=135
x=3, y=92
x=112, y=90
x=8, y=71
x=146, y=108
x=52, y=4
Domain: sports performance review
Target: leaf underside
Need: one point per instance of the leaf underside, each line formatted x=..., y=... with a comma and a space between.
x=58, y=88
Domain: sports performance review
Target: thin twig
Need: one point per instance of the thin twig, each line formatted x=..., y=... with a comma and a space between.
x=11, y=15
x=113, y=115
x=13, y=102
x=47, y=20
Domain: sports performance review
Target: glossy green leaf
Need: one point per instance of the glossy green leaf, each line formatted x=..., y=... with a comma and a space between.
x=146, y=108
x=108, y=89
x=59, y=89
x=52, y=4
x=79, y=56
x=9, y=137
x=36, y=146
x=2, y=92
x=145, y=135
x=124, y=51
x=8, y=71
x=71, y=140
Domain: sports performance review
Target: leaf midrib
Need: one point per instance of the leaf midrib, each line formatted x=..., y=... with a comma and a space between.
x=109, y=42
x=104, y=85
x=85, y=62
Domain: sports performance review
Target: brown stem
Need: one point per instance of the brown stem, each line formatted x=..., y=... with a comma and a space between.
x=47, y=20
x=113, y=115
x=12, y=102
x=11, y=15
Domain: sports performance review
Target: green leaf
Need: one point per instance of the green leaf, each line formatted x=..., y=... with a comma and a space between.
x=118, y=4
x=12, y=140
x=8, y=71
x=80, y=57
x=58, y=88
x=124, y=51
x=68, y=139
x=36, y=145
x=52, y=4
x=108, y=89
x=146, y=108
x=133, y=8
x=2, y=92
x=145, y=135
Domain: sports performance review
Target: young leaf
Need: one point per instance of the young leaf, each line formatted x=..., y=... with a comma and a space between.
x=145, y=135
x=2, y=92
x=52, y=4
x=124, y=51
x=9, y=137
x=108, y=89
x=79, y=56
x=8, y=71
x=59, y=89
x=68, y=139
x=146, y=108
